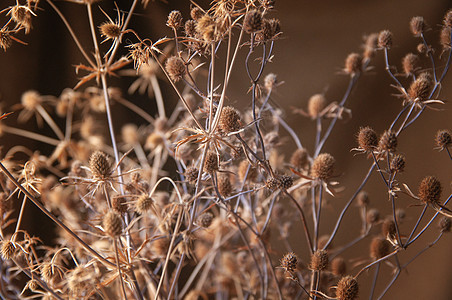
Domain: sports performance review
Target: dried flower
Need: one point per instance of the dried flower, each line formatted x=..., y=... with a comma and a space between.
x=379, y=247
x=370, y=46
x=353, y=64
x=388, y=229
x=5, y=39
x=409, y=64
x=430, y=190
x=417, y=26
x=174, y=19
x=338, y=266
x=362, y=198
x=444, y=224
x=397, y=163
x=319, y=260
x=443, y=139
x=229, y=120
x=347, y=288
x=110, y=30
x=388, y=141
x=196, y=13
x=211, y=163
x=253, y=21
x=175, y=67
x=7, y=250
x=420, y=88
x=100, y=165
x=445, y=38
x=299, y=158
x=112, y=223
x=385, y=39
x=144, y=203
x=367, y=139
x=316, y=104
x=191, y=174
x=323, y=166
x=372, y=216
x=205, y=219
x=289, y=262
x=224, y=185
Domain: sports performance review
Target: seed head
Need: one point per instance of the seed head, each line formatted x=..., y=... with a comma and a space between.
x=319, y=260
x=388, y=141
x=270, y=29
x=224, y=185
x=175, y=67
x=229, y=120
x=205, y=219
x=46, y=272
x=444, y=224
x=409, y=64
x=430, y=190
x=388, y=228
x=174, y=19
x=370, y=46
x=323, y=166
x=367, y=139
x=289, y=262
x=285, y=181
x=112, y=223
x=385, y=39
x=31, y=99
x=270, y=82
x=272, y=183
x=5, y=39
x=299, y=158
x=372, y=216
x=445, y=37
x=420, y=88
x=143, y=204
x=119, y=204
x=190, y=28
x=7, y=250
x=22, y=16
x=421, y=48
x=253, y=21
x=100, y=164
x=347, y=288
x=353, y=64
x=243, y=168
x=211, y=163
x=362, y=198
x=338, y=266
x=379, y=247
x=397, y=163
x=417, y=26
x=129, y=134
x=191, y=174
x=443, y=139
x=316, y=104
x=110, y=30
x=447, y=21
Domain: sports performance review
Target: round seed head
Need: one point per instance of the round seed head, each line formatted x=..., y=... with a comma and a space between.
x=397, y=163
x=289, y=262
x=388, y=141
x=129, y=134
x=224, y=185
x=338, y=266
x=22, y=16
x=196, y=13
x=367, y=139
x=445, y=37
x=316, y=104
x=347, y=288
x=388, y=228
x=190, y=28
x=112, y=223
x=417, y=26
x=270, y=29
x=143, y=204
x=175, y=67
x=160, y=247
x=253, y=21
x=299, y=158
x=385, y=39
x=191, y=174
x=430, y=190
x=211, y=163
x=7, y=250
x=353, y=64
x=443, y=139
x=110, y=30
x=30, y=100
x=270, y=81
x=100, y=164
x=119, y=204
x=272, y=183
x=323, y=166
x=319, y=260
x=229, y=120
x=362, y=198
x=409, y=63
x=447, y=21
x=174, y=19
x=444, y=224
x=421, y=48
x=379, y=247
x=205, y=219
x=400, y=214
x=5, y=39
x=285, y=181
x=153, y=140
x=242, y=171
x=46, y=272
x=370, y=45
x=420, y=88
x=372, y=216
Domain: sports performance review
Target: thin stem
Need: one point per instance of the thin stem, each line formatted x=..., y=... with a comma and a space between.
x=31, y=135
x=50, y=121
x=408, y=241
x=374, y=282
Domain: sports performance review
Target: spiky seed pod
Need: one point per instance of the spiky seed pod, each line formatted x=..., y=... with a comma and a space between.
x=270, y=82
x=190, y=28
x=347, y=288
x=417, y=25
x=100, y=164
x=323, y=166
x=444, y=224
x=372, y=216
x=5, y=39
x=22, y=16
x=110, y=30
x=175, y=67
x=430, y=190
x=112, y=223
x=253, y=21
x=270, y=28
x=211, y=163
x=243, y=168
x=143, y=204
x=46, y=272
x=421, y=48
x=7, y=250
x=196, y=13
x=397, y=163
x=420, y=88
x=229, y=120
x=205, y=219
x=160, y=246
x=175, y=19
x=388, y=141
x=338, y=266
x=443, y=139
x=81, y=279
x=319, y=260
x=353, y=64
x=362, y=198
x=370, y=46
x=447, y=21
x=385, y=39
x=119, y=204
x=409, y=63
x=272, y=183
x=388, y=228
x=191, y=174
x=285, y=181
x=224, y=185
x=445, y=37
x=299, y=158
x=367, y=139
x=379, y=247
x=289, y=262
x=316, y=104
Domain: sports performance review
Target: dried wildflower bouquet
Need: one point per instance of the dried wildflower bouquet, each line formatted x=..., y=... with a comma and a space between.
x=182, y=206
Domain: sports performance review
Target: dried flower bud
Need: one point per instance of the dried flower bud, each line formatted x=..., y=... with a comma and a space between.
x=5, y=39
x=119, y=204
x=353, y=64
x=347, y=288
x=299, y=158
x=196, y=13
x=7, y=250
x=421, y=48
x=191, y=174
x=229, y=120
x=245, y=167
x=444, y=224
x=447, y=21
x=338, y=266
x=397, y=163
x=100, y=164
x=445, y=39
x=443, y=139
x=417, y=26
x=211, y=163
x=205, y=219
x=370, y=46
x=316, y=104
x=224, y=185
x=289, y=262
x=270, y=29
x=400, y=214
x=285, y=181
x=362, y=198
x=430, y=190
x=372, y=216
x=323, y=166
x=270, y=82
x=190, y=28
x=129, y=134
x=388, y=141
x=143, y=204
x=272, y=183
x=253, y=21
x=367, y=139
x=175, y=67
x=319, y=260
x=22, y=16
x=388, y=229
x=409, y=64
x=379, y=247
x=385, y=39
x=110, y=30
x=174, y=19
x=420, y=88
x=112, y=223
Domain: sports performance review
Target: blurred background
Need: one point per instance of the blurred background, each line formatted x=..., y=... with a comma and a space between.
x=317, y=37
